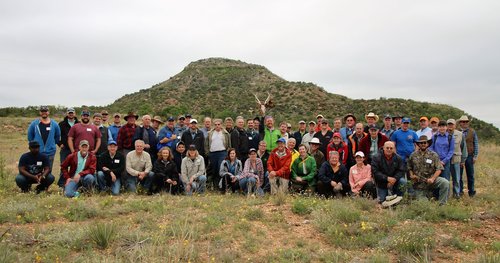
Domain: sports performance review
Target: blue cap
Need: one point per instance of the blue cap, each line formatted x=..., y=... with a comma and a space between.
x=406, y=119
x=281, y=140
x=112, y=142
x=171, y=118
x=85, y=112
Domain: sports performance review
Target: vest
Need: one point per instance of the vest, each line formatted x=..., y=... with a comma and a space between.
x=469, y=140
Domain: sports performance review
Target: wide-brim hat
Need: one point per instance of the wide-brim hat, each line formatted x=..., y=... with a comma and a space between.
x=463, y=118
x=158, y=119
x=397, y=115
x=371, y=115
x=131, y=114
x=424, y=138
x=349, y=115
x=315, y=141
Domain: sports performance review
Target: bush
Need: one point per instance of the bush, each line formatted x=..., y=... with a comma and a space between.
x=102, y=234
x=416, y=239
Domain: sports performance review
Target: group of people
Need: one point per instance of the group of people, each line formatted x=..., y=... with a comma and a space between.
x=252, y=156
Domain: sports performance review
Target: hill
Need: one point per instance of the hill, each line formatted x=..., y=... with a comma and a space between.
x=219, y=87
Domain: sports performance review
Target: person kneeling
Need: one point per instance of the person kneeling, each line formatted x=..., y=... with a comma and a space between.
x=139, y=168
x=333, y=177
x=425, y=167
x=78, y=170
x=193, y=173
x=166, y=176
x=34, y=168
x=303, y=172
x=230, y=172
x=110, y=166
x=252, y=177
x=360, y=177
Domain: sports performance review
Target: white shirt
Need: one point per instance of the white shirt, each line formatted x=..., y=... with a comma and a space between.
x=217, y=143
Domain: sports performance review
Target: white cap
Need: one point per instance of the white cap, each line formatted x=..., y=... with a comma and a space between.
x=193, y=120
x=359, y=153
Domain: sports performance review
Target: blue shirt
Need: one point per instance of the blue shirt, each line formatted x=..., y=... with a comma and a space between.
x=166, y=132
x=443, y=147
x=405, y=142
x=113, y=131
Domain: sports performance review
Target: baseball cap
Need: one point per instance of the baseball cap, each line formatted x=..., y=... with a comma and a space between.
x=359, y=153
x=193, y=121
x=188, y=115
x=170, y=118
x=423, y=118
x=319, y=116
x=192, y=147
x=302, y=122
x=252, y=150
x=33, y=144
x=315, y=141
x=117, y=114
x=452, y=121
x=84, y=142
x=406, y=119
x=387, y=116
x=70, y=110
x=372, y=127
x=281, y=140
x=112, y=142
x=337, y=134
x=104, y=112
x=85, y=112
x=44, y=108
x=435, y=119
x=312, y=122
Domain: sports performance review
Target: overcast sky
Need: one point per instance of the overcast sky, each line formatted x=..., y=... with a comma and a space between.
x=92, y=52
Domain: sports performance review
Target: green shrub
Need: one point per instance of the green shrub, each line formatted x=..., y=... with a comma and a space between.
x=254, y=214
x=416, y=239
x=102, y=234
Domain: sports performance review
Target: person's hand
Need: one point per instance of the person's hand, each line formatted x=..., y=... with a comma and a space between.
x=76, y=178
x=233, y=179
x=174, y=182
x=391, y=180
x=462, y=165
x=38, y=178
x=113, y=177
x=442, y=163
x=94, y=151
x=147, y=146
x=272, y=174
x=141, y=175
x=188, y=187
x=413, y=177
x=333, y=184
x=191, y=180
x=474, y=161
x=298, y=179
x=105, y=169
x=168, y=181
x=431, y=180
x=356, y=184
x=174, y=136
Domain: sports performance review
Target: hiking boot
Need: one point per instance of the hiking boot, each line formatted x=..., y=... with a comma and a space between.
x=391, y=202
x=390, y=197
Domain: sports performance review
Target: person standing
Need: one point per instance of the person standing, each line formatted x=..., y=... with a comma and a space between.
x=253, y=134
x=147, y=134
x=64, y=150
x=459, y=156
x=239, y=140
x=404, y=139
x=306, y=139
x=47, y=133
x=472, y=144
x=298, y=135
x=216, y=145
x=115, y=127
x=387, y=129
x=324, y=136
x=443, y=144
x=97, y=119
x=84, y=131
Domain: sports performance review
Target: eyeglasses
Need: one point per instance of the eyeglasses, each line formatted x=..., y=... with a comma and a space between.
x=389, y=148
x=421, y=143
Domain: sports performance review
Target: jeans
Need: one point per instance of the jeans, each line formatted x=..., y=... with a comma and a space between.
x=442, y=184
x=455, y=175
x=25, y=183
x=199, y=185
x=446, y=172
x=105, y=184
x=469, y=169
x=86, y=181
x=216, y=159
x=382, y=193
x=145, y=182
x=248, y=185
x=63, y=153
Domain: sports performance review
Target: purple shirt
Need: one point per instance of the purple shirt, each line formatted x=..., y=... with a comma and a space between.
x=442, y=145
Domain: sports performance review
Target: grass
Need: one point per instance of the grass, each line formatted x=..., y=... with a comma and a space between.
x=232, y=228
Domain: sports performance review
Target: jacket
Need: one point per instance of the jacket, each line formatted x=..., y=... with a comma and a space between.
x=224, y=169
x=239, y=141
x=192, y=168
x=269, y=136
x=198, y=140
x=166, y=170
x=383, y=168
x=341, y=149
x=326, y=175
x=115, y=164
x=366, y=143
x=258, y=172
x=71, y=162
x=280, y=165
x=49, y=148
x=305, y=169
x=65, y=127
x=225, y=135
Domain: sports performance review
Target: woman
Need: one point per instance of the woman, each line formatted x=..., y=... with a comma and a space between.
x=193, y=174
x=166, y=176
x=230, y=171
x=303, y=172
x=360, y=177
x=179, y=154
x=253, y=174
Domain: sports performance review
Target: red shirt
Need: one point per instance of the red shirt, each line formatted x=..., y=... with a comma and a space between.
x=88, y=132
x=126, y=137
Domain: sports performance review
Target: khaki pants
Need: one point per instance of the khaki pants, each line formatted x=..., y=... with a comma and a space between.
x=283, y=185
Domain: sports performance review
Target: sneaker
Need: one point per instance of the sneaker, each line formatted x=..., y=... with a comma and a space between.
x=388, y=203
x=77, y=194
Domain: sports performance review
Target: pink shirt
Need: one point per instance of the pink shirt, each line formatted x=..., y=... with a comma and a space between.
x=360, y=176
x=81, y=132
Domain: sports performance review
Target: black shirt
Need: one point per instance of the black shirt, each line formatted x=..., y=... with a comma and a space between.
x=34, y=164
x=44, y=131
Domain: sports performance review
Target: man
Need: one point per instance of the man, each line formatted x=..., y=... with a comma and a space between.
x=104, y=121
x=388, y=170
x=253, y=134
x=84, y=130
x=434, y=125
x=333, y=178
x=34, y=168
x=337, y=145
x=65, y=125
x=187, y=121
x=167, y=136
x=181, y=126
x=350, y=122
x=194, y=136
x=290, y=145
x=370, y=145
x=97, y=118
x=229, y=124
x=283, y=131
x=319, y=119
x=207, y=126
x=239, y=140
x=298, y=135
x=110, y=166
x=147, y=134
x=324, y=136
x=157, y=122
x=303, y=172
x=398, y=121
x=459, y=156
x=288, y=128
x=337, y=125
x=79, y=169
x=125, y=138
x=387, y=128
x=371, y=119
x=472, y=144
x=354, y=141
x=263, y=155
x=404, y=139
x=217, y=143
x=115, y=127
x=315, y=152
x=47, y=133
x=139, y=168
x=278, y=166
x=268, y=133
x=306, y=139
x=443, y=144
x=425, y=167
x=424, y=128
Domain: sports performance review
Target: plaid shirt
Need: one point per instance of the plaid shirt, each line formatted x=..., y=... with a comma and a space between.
x=126, y=136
